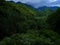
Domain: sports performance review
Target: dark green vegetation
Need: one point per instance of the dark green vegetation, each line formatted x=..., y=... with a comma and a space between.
x=22, y=25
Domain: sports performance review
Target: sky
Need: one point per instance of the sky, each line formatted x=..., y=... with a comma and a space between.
x=39, y=3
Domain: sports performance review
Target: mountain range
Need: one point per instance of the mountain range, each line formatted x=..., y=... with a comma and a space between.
x=46, y=7
x=22, y=24
x=40, y=8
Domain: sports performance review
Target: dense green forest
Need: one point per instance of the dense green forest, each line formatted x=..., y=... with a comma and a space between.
x=22, y=25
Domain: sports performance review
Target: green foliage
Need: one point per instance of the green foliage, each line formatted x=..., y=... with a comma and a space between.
x=53, y=20
x=2, y=0
x=44, y=38
x=45, y=12
x=22, y=25
x=17, y=18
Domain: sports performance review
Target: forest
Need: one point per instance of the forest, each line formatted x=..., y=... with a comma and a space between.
x=24, y=25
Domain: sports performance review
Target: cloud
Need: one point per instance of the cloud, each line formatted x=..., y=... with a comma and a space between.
x=39, y=3
x=52, y=0
x=56, y=3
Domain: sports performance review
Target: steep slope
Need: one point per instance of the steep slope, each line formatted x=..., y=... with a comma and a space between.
x=53, y=21
x=20, y=25
x=16, y=18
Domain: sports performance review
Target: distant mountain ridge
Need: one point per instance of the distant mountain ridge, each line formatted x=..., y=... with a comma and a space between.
x=40, y=8
x=46, y=7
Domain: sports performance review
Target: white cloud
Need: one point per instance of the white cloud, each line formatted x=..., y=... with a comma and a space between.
x=38, y=3
x=52, y=0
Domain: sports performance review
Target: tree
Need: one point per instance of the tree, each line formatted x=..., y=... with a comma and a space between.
x=2, y=0
x=53, y=21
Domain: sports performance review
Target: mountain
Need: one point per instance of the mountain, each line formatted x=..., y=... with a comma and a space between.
x=29, y=6
x=40, y=8
x=36, y=9
x=16, y=18
x=21, y=25
x=45, y=7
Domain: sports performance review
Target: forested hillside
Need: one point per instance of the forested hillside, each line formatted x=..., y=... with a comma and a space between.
x=22, y=25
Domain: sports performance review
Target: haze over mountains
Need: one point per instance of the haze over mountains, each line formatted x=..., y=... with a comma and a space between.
x=39, y=3
x=39, y=8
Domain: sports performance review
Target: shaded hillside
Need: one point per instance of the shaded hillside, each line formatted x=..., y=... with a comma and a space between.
x=22, y=25
x=16, y=18
x=53, y=21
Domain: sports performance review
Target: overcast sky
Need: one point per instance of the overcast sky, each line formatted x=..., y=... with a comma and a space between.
x=39, y=3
